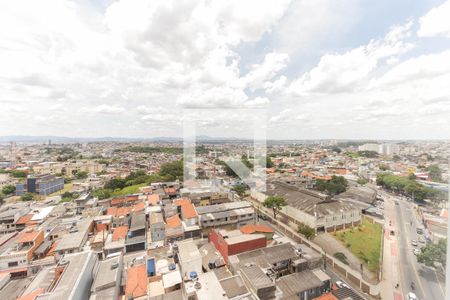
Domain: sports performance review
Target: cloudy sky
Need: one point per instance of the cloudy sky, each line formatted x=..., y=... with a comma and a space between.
x=302, y=68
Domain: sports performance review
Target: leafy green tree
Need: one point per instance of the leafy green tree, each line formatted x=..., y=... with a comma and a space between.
x=8, y=189
x=306, y=230
x=81, y=175
x=27, y=197
x=275, y=203
x=240, y=189
x=102, y=193
x=18, y=174
x=434, y=253
x=362, y=181
x=336, y=185
x=115, y=183
x=172, y=170
x=435, y=173
x=336, y=149
x=383, y=167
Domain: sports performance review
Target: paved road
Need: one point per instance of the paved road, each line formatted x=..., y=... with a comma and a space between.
x=427, y=285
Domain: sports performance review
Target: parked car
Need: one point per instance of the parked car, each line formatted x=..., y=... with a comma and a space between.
x=341, y=284
x=414, y=243
x=416, y=251
x=411, y=296
x=421, y=240
x=419, y=231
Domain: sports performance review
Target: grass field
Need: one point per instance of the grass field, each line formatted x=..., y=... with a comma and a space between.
x=128, y=190
x=67, y=188
x=364, y=242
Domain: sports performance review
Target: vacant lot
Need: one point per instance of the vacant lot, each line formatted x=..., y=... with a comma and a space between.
x=364, y=242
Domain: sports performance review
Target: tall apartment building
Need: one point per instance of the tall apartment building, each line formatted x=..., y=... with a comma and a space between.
x=42, y=185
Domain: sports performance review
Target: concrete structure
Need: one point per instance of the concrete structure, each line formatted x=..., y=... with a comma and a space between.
x=315, y=210
x=22, y=253
x=157, y=227
x=189, y=258
x=75, y=273
x=108, y=275
x=42, y=185
x=235, y=242
x=233, y=214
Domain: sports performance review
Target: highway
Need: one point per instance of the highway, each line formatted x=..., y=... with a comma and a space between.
x=405, y=221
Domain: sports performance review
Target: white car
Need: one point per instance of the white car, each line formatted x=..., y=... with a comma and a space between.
x=421, y=240
x=411, y=296
x=341, y=284
x=416, y=251
x=414, y=243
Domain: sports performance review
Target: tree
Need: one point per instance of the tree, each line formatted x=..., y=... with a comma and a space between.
x=336, y=149
x=172, y=170
x=102, y=193
x=240, y=189
x=306, y=230
x=383, y=167
x=435, y=173
x=275, y=203
x=82, y=175
x=8, y=189
x=434, y=253
x=115, y=183
x=27, y=197
x=336, y=185
x=362, y=181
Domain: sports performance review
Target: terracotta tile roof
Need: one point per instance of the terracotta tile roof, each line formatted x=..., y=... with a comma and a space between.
x=252, y=228
x=117, y=201
x=173, y=221
x=120, y=233
x=24, y=219
x=112, y=211
x=187, y=208
x=101, y=227
x=123, y=211
x=131, y=198
x=52, y=248
x=32, y=295
x=136, y=281
x=138, y=207
x=170, y=190
x=327, y=296
x=153, y=199
x=26, y=237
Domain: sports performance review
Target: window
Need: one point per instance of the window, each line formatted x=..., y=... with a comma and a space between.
x=13, y=264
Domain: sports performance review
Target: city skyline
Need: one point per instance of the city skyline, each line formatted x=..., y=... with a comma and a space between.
x=318, y=70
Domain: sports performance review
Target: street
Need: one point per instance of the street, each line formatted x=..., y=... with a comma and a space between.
x=404, y=221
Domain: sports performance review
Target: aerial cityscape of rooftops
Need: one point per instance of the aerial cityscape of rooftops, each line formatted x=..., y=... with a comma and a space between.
x=241, y=150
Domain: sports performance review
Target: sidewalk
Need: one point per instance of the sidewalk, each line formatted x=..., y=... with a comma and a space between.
x=391, y=275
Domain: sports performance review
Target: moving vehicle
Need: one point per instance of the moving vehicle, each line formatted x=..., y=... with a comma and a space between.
x=414, y=243
x=341, y=284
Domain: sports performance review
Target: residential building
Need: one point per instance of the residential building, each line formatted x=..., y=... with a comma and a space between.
x=23, y=250
x=231, y=215
x=41, y=184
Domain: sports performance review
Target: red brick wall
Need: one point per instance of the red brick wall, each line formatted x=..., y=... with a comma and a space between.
x=217, y=240
x=226, y=250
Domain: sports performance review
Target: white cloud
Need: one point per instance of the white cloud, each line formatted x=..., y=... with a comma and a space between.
x=347, y=72
x=436, y=22
x=259, y=74
x=109, y=109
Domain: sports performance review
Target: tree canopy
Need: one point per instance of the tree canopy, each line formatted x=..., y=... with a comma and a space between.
x=405, y=185
x=275, y=203
x=336, y=185
x=434, y=253
x=8, y=189
x=435, y=173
